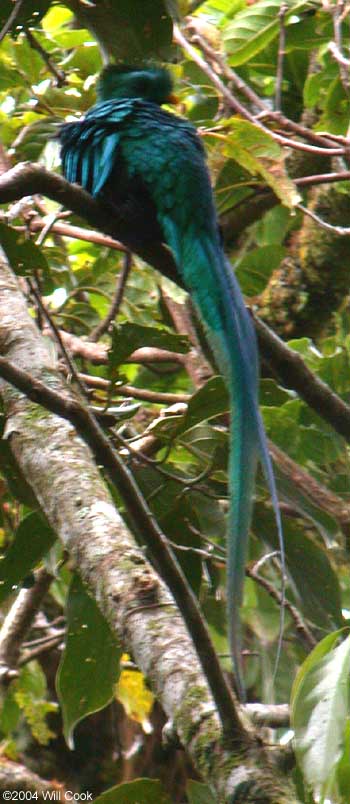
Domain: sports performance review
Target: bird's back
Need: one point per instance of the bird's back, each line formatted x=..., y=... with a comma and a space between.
x=132, y=142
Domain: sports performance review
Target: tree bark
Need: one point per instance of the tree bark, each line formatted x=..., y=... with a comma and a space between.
x=135, y=602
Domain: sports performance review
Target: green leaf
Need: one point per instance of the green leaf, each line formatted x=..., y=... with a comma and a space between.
x=316, y=582
x=140, y=791
x=181, y=525
x=308, y=34
x=253, y=28
x=320, y=707
x=211, y=400
x=199, y=793
x=256, y=267
x=232, y=186
x=30, y=693
x=10, y=712
x=298, y=498
x=33, y=539
x=258, y=152
x=127, y=337
x=24, y=256
x=9, y=78
x=90, y=663
x=343, y=767
x=313, y=577
x=31, y=143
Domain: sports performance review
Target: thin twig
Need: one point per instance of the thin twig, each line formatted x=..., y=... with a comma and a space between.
x=274, y=716
x=11, y=19
x=343, y=231
x=46, y=647
x=266, y=113
x=72, y=410
x=49, y=224
x=57, y=336
x=59, y=75
x=322, y=178
x=238, y=107
x=305, y=633
x=102, y=327
x=339, y=57
x=74, y=232
x=157, y=397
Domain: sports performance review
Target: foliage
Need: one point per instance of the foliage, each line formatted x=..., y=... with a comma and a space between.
x=257, y=192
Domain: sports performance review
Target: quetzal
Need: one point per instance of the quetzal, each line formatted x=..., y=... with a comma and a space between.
x=132, y=154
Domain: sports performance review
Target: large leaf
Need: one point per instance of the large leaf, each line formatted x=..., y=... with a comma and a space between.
x=253, y=28
x=258, y=152
x=199, y=793
x=32, y=541
x=209, y=401
x=320, y=707
x=343, y=767
x=127, y=337
x=256, y=267
x=24, y=256
x=182, y=527
x=141, y=791
x=314, y=580
x=90, y=663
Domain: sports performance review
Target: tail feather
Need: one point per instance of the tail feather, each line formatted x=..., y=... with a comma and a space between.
x=231, y=335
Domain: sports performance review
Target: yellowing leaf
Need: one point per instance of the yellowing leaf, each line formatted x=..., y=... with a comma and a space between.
x=29, y=694
x=258, y=152
x=137, y=699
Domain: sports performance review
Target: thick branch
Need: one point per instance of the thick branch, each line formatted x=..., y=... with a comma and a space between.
x=27, y=179
x=65, y=405
x=295, y=374
x=133, y=599
x=18, y=621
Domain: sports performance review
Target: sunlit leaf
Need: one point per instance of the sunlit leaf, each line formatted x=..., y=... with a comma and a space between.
x=253, y=28
x=133, y=693
x=258, y=152
x=320, y=708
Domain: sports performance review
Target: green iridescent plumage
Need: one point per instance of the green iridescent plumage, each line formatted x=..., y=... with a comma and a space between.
x=136, y=156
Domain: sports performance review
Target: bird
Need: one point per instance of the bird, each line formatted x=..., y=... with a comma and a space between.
x=130, y=153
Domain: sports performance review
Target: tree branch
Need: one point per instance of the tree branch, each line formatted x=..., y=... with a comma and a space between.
x=17, y=622
x=294, y=374
x=27, y=179
x=64, y=405
x=133, y=599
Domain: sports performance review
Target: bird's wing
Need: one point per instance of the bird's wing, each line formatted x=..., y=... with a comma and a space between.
x=90, y=146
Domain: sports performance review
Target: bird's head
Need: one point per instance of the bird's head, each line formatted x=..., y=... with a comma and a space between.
x=150, y=83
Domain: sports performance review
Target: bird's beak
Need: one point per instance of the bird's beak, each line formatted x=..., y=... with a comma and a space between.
x=173, y=99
